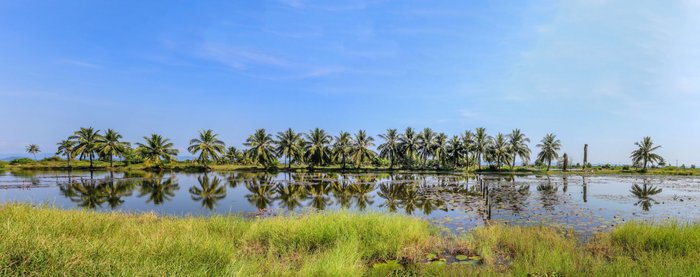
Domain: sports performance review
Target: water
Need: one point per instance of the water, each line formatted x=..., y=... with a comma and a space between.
x=587, y=204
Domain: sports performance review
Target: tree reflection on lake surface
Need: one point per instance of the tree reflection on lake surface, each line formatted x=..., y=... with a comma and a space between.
x=457, y=201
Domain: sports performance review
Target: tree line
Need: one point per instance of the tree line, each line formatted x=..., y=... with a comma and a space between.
x=411, y=149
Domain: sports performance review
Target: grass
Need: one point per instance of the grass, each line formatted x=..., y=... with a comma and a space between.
x=46, y=241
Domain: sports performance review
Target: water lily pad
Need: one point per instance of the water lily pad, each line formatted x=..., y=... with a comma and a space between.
x=461, y=257
x=475, y=258
x=431, y=256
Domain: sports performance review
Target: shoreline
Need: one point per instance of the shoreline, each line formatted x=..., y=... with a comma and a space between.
x=190, y=167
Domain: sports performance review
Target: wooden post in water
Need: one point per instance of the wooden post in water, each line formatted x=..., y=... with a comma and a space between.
x=566, y=161
x=585, y=156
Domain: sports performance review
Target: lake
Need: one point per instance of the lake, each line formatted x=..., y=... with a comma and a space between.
x=454, y=201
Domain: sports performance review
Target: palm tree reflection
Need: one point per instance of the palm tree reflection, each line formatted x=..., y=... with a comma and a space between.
x=644, y=193
x=158, y=190
x=209, y=191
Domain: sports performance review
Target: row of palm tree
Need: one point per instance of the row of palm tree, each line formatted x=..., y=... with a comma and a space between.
x=410, y=149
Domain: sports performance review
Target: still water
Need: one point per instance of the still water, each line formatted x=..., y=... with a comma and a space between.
x=586, y=204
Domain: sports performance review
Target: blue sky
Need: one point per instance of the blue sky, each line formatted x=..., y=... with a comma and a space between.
x=600, y=72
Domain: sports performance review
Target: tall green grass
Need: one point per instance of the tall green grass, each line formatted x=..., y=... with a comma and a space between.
x=49, y=242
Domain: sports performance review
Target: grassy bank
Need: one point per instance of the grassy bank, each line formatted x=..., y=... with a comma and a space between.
x=42, y=241
x=192, y=167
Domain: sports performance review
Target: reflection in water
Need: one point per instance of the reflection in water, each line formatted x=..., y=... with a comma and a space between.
x=209, y=191
x=158, y=190
x=644, y=194
x=85, y=192
x=548, y=194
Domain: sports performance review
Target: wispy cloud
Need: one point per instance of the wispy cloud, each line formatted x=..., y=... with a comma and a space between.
x=78, y=63
x=263, y=65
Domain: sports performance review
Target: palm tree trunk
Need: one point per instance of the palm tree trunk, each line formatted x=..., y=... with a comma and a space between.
x=478, y=159
x=110, y=161
x=549, y=164
x=513, y=165
x=91, y=160
x=289, y=166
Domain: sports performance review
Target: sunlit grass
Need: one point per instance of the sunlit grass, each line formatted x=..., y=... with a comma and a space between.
x=45, y=241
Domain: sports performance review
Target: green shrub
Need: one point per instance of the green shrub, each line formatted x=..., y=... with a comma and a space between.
x=3, y=164
x=21, y=161
x=52, y=159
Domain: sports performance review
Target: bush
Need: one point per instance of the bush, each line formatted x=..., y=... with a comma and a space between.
x=21, y=161
x=52, y=159
x=3, y=164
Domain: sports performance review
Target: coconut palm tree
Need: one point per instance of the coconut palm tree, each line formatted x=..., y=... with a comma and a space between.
x=290, y=145
x=455, y=150
x=33, y=149
x=88, y=140
x=316, y=149
x=426, y=140
x=499, y=150
x=66, y=147
x=208, y=147
x=549, y=147
x=467, y=146
x=440, y=149
x=111, y=145
x=232, y=155
x=518, y=147
x=481, y=144
x=342, y=148
x=361, y=151
x=157, y=149
x=645, y=153
x=261, y=148
x=409, y=143
x=390, y=148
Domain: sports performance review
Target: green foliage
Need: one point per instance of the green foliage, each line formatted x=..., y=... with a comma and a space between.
x=52, y=159
x=21, y=161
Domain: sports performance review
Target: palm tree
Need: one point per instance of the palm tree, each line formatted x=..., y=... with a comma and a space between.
x=66, y=147
x=549, y=147
x=156, y=149
x=361, y=151
x=518, y=147
x=409, y=145
x=316, y=149
x=290, y=145
x=499, y=150
x=468, y=145
x=644, y=153
x=208, y=147
x=232, y=155
x=426, y=141
x=342, y=147
x=88, y=140
x=481, y=143
x=112, y=146
x=33, y=149
x=455, y=148
x=440, y=148
x=390, y=148
x=261, y=148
